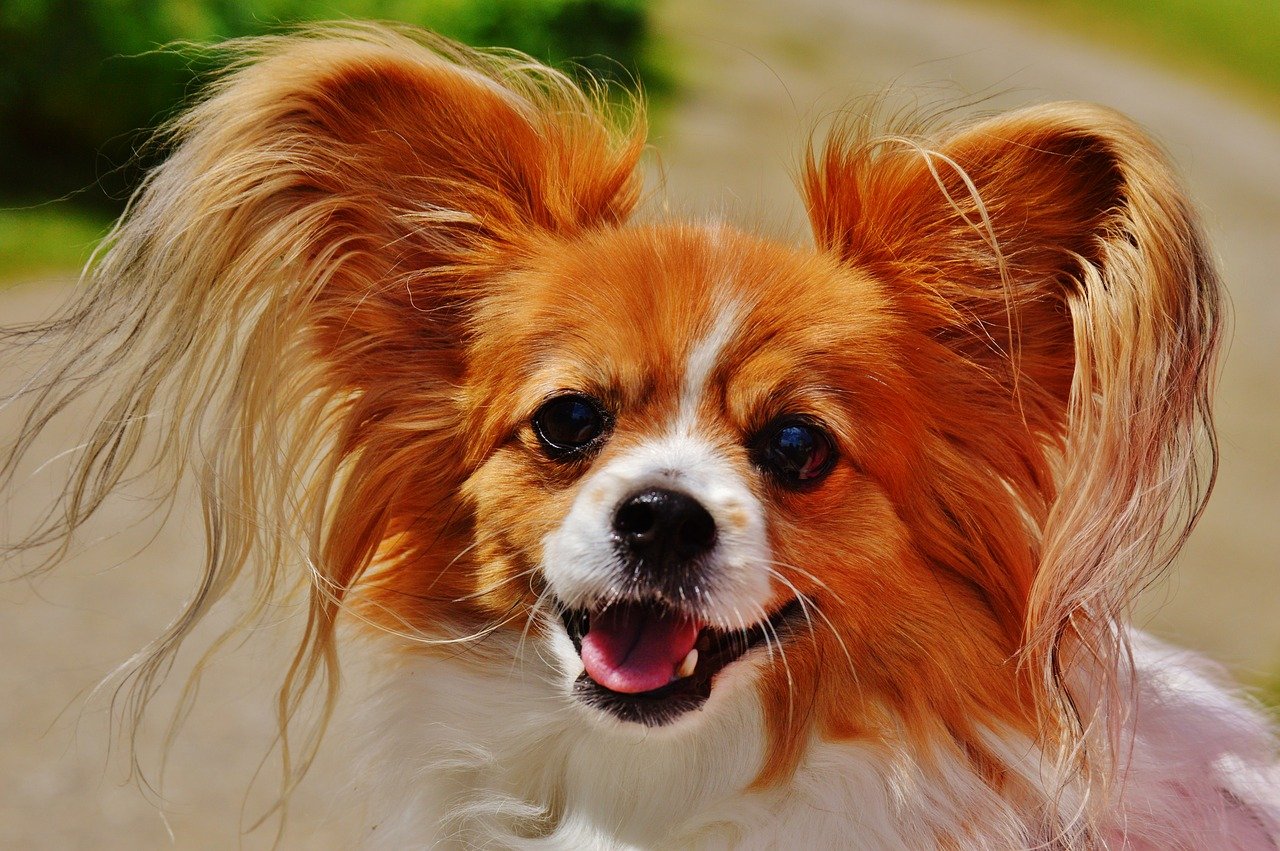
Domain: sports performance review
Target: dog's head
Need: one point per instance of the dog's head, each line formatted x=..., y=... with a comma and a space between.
x=886, y=477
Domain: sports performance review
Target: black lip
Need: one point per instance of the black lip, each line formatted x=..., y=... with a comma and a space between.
x=717, y=649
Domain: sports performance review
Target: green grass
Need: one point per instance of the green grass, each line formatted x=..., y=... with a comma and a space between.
x=1234, y=44
x=52, y=239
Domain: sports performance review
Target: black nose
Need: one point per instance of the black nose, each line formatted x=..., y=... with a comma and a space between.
x=662, y=526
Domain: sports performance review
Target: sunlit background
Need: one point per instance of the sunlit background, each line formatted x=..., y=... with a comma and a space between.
x=736, y=87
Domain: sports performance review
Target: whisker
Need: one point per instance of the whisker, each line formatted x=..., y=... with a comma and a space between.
x=495, y=586
x=808, y=604
x=528, y=624
x=771, y=638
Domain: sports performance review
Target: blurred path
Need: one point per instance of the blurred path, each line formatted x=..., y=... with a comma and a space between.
x=755, y=75
x=62, y=633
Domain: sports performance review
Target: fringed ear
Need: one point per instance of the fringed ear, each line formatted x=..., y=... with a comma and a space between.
x=385, y=176
x=1053, y=253
x=312, y=245
x=284, y=306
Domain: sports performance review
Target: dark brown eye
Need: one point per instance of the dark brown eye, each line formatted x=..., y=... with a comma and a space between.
x=570, y=424
x=796, y=451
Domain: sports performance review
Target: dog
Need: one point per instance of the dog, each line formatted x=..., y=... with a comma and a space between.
x=658, y=535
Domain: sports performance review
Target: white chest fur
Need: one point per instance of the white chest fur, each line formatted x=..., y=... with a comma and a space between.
x=459, y=754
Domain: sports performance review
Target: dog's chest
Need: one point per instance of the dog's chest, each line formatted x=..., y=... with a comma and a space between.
x=464, y=757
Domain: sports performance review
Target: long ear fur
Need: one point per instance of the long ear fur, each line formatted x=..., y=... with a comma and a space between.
x=282, y=310
x=1052, y=252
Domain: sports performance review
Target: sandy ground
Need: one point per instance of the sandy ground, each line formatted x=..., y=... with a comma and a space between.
x=757, y=76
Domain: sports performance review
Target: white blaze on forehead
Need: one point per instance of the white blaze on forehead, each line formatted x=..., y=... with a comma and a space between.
x=703, y=359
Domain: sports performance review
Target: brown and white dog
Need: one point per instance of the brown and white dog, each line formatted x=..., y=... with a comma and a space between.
x=664, y=535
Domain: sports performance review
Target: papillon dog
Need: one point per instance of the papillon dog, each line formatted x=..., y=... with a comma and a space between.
x=661, y=534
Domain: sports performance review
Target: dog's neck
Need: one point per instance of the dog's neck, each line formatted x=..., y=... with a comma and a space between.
x=461, y=750
x=494, y=756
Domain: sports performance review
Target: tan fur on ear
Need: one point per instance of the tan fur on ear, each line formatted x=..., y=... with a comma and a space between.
x=1053, y=254
x=282, y=308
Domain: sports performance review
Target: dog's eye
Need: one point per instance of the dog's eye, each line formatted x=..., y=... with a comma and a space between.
x=569, y=424
x=796, y=451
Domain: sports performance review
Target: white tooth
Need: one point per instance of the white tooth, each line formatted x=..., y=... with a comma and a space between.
x=686, y=667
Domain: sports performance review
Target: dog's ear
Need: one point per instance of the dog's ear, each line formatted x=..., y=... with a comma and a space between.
x=1050, y=254
x=304, y=262
x=375, y=182
x=283, y=310
x=991, y=234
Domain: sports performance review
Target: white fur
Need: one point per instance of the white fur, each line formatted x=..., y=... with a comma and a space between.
x=471, y=751
x=702, y=362
x=1200, y=762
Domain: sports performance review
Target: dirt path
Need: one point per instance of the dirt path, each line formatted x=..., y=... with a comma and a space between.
x=757, y=74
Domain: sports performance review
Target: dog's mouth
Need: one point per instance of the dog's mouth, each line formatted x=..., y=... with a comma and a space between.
x=649, y=663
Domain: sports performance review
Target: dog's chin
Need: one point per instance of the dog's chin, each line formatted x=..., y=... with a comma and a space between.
x=687, y=691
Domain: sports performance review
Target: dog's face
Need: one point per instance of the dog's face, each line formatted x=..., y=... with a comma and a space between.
x=683, y=452
x=674, y=421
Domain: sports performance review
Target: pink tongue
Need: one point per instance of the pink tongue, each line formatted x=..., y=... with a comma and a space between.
x=631, y=649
